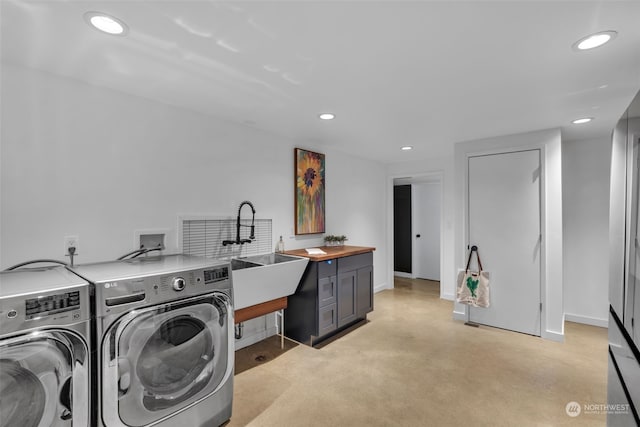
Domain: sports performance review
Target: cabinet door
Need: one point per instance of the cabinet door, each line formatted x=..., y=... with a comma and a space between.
x=346, y=297
x=327, y=319
x=364, y=291
x=326, y=291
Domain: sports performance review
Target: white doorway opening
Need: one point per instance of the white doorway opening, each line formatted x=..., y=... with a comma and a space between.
x=427, y=225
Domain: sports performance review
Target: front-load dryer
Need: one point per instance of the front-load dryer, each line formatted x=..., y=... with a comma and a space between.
x=165, y=341
x=45, y=346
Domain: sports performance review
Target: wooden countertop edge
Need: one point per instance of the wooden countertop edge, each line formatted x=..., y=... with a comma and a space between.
x=332, y=252
x=261, y=309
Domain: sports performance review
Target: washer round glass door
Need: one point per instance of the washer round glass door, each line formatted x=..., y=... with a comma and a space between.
x=36, y=380
x=165, y=358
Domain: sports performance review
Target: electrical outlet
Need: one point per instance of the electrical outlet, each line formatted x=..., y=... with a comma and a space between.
x=71, y=242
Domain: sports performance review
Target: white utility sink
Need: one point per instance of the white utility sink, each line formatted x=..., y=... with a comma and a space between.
x=262, y=278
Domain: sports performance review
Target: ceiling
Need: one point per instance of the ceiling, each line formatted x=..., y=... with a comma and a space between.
x=422, y=73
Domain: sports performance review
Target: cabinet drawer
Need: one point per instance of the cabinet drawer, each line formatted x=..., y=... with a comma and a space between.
x=326, y=291
x=327, y=319
x=355, y=261
x=327, y=268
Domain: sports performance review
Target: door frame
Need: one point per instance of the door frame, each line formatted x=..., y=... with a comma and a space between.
x=542, y=208
x=549, y=142
x=436, y=175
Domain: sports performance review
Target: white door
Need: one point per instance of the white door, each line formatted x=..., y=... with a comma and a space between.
x=427, y=230
x=504, y=223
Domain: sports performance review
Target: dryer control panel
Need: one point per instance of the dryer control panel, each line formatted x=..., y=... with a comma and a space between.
x=123, y=295
x=216, y=275
x=124, y=285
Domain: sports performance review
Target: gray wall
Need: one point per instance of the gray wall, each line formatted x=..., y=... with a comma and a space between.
x=82, y=160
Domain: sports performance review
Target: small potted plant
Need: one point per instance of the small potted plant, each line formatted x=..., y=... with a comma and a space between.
x=331, y=240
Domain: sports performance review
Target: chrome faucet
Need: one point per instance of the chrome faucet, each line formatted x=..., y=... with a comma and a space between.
x=252, y=236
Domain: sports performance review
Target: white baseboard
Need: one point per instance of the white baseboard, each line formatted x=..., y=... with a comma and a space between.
x=449, y=297
x=553, y=336
x=593, y=321
x=381, y=287
x=403, y=275
x=459, y=315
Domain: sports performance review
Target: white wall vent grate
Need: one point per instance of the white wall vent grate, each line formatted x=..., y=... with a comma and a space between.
x=204, y=236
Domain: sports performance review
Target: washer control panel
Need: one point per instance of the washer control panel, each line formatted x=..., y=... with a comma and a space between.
x=47, y=308
x=51, y=304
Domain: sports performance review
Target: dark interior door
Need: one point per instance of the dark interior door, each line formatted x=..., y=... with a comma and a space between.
x=402, y=228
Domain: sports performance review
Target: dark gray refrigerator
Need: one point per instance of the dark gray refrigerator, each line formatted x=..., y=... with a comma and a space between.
x=623, y=394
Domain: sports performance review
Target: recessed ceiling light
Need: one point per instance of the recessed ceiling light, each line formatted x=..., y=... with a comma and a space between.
x=106, y=23
x=582, y=120
x=327, y=116
x=406, y=148
x=594, y=40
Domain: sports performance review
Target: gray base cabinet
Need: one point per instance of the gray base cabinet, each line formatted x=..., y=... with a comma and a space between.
x=331, y=296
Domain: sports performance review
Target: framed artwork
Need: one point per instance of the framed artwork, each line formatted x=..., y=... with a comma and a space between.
x=309, y=192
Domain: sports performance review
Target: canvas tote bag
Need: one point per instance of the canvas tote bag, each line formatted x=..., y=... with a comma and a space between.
x=473, y=286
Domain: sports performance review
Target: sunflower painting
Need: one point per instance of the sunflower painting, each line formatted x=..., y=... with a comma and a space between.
x=309, y=168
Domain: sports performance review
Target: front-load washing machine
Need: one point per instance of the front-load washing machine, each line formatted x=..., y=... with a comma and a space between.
x=45, y=326
x=164, y=327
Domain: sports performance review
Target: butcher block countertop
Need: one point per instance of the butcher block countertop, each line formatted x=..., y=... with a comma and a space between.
x=332, y=252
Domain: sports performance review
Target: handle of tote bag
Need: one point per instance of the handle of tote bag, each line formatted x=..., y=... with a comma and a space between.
x=474, y=249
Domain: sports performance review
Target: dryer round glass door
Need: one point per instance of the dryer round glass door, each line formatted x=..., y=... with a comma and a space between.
x=37, y=379
x=165, y=358
x=172, y=359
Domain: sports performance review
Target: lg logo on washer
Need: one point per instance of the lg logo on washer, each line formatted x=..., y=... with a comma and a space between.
x=110, y=285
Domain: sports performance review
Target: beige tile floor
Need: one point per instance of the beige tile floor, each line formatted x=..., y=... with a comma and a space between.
x=412, y=365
